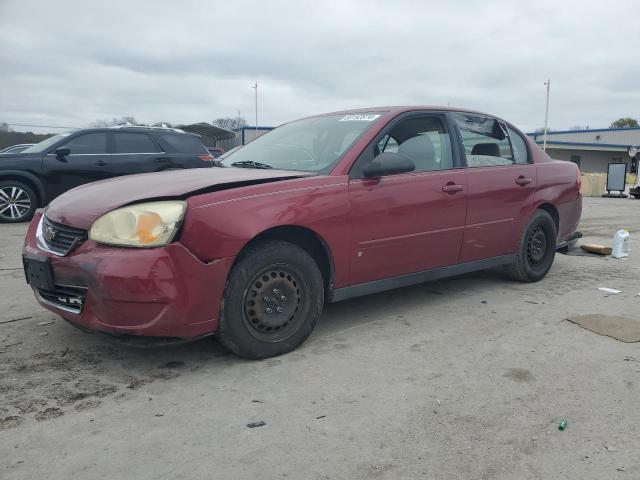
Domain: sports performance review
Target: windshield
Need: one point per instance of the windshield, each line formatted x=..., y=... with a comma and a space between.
x=311, y=144
x=43, y=145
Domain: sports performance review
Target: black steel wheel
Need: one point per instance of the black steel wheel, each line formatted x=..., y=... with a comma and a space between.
x=272, y=301
x=536, y=249
x=18, y=202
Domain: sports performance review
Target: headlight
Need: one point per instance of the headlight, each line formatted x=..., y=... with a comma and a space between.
x=143, y=225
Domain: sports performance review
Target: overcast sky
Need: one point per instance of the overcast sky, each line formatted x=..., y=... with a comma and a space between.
x=68, y=63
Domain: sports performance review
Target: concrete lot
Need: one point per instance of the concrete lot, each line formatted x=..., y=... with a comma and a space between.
x=459, y=379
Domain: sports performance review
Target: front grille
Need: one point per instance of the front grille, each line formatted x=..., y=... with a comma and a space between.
x=70, y=299
x=61, y=239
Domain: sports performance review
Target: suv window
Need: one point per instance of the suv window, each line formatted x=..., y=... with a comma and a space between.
x=519, y=146
x=126, y=142
x=87, y=144
x=424, y=139
x=184, y=143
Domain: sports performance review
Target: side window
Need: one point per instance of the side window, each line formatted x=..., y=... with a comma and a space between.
x=388, y=144
x=87, y=144
x=423, y=139
x=126, y=142
x=484, y=150
x=184, y=143
x=519, y=147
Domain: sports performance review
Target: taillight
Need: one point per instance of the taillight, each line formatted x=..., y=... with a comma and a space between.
x=206, y=158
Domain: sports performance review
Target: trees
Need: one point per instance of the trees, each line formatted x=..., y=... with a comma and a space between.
x=101, y=123
x=626, y=122
x=229, y=123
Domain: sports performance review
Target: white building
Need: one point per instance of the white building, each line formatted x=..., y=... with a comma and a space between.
x=593, y=149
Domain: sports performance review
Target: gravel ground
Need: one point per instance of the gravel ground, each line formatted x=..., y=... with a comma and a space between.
x=465, y=378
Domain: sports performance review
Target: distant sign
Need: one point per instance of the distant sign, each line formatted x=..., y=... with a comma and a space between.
x=616, y=177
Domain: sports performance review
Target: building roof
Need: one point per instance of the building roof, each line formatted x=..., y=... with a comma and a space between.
x=612, y=139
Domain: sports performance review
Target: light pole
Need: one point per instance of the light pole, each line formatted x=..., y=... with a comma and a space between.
x=546, y=116
x=255, y=86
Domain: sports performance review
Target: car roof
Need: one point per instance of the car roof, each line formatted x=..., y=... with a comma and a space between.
x=137, y=129
x=397, y=109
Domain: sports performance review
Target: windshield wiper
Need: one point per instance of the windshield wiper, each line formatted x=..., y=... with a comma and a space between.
x=217, y=163
x=250, y=164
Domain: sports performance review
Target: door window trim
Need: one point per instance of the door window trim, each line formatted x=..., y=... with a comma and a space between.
x=446, y=122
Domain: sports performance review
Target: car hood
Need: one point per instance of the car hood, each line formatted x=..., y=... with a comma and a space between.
x=81, y=206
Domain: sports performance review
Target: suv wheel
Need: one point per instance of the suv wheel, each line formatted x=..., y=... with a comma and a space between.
x=18, y=202
x=272, y=301
x=536, y=250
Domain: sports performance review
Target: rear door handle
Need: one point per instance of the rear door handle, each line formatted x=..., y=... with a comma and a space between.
x=452, y=188
x=101, y=163
x=161, y=159
x=522, y=180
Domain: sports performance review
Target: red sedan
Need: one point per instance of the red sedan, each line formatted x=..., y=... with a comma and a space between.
x=318, y=210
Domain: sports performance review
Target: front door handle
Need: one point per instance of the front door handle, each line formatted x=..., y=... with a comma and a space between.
x=452, y=187
x=522, y=180
x=161, y=159
x=101, y=163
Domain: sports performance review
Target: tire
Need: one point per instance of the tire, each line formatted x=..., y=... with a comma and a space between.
x=272, y=301
x=18, y=202
x=536, y=249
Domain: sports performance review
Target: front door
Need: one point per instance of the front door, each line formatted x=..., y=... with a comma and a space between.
x=87, y=161
x=411, y=222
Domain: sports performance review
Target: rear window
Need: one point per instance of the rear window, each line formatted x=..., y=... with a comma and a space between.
x=126, y=142
x=184, y=143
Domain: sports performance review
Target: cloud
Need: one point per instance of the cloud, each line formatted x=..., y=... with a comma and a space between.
x=71, y=62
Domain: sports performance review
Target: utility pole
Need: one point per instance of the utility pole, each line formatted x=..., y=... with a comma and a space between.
x=256, y=88
x=546, y=116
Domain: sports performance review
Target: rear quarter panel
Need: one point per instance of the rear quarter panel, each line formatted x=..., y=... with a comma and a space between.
x=558, y=185
x=219, y=224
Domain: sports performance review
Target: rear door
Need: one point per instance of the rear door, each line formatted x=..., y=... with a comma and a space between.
x=88, y=161
x=411, y=222
x=501, y=182
x=136, y=152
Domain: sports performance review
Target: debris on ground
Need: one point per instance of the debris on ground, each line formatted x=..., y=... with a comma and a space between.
x=321, y=416
x=621, y=328
x=42, y=324
x=562, y=425
x=595, y=248
x=256, y=424
x=609, y=290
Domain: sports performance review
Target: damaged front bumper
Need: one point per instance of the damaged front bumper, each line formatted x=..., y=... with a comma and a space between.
x=159, y=292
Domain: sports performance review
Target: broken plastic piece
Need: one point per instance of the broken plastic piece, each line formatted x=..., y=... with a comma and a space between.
x=609, y=290
x=562, y=425
x=256, y=424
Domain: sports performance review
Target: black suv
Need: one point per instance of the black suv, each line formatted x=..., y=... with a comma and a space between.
x=40, y=173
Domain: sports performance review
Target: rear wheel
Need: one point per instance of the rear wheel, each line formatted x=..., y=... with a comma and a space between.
x=536, y=250
x=18, y=202
x=272, y=301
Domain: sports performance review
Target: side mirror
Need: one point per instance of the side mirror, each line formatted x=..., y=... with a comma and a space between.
x=388, y=163
x=62, y=152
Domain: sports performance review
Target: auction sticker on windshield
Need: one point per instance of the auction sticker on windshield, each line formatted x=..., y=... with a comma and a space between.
x=354, y=117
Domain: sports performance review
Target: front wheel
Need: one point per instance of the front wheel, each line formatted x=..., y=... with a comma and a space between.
x=18, y=202
x=536, y=250
x=273, y=299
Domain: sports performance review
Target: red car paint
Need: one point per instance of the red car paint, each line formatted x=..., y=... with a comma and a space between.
x=372, y=230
